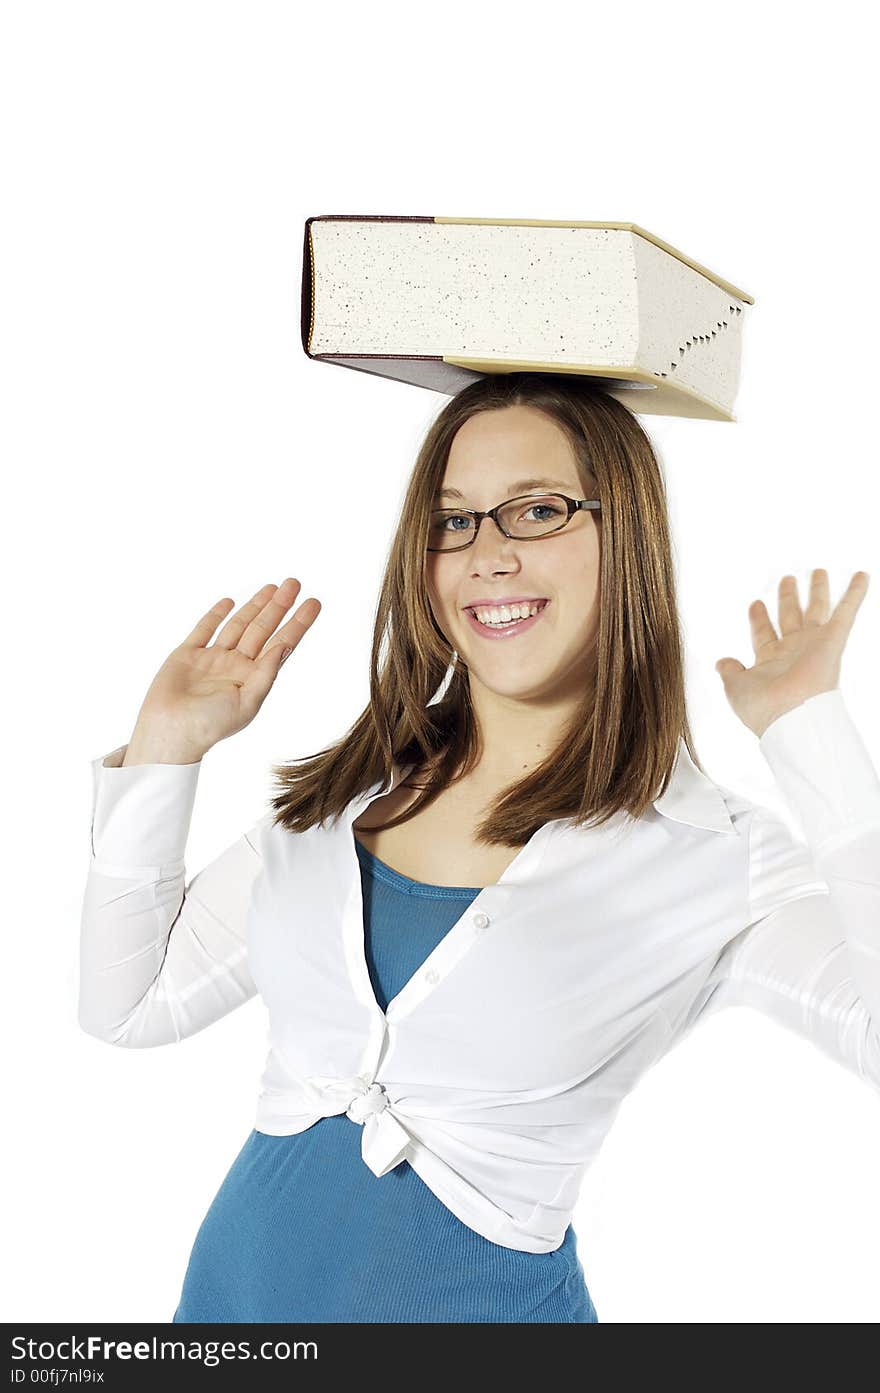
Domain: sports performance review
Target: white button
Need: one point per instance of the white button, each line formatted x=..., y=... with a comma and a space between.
x=432, y=975
x=481, y=920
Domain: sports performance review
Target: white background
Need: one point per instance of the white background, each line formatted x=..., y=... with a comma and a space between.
x=165, y=438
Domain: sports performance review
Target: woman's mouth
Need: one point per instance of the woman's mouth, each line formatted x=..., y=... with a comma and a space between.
x=509, y=629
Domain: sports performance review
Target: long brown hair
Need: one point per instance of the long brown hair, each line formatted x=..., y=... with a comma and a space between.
x=618, y=752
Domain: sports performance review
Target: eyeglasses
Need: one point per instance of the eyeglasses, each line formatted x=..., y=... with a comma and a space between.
x=553, y=511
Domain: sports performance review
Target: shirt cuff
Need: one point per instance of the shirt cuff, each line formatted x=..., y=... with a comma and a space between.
x=141, y=814
x=823, y=769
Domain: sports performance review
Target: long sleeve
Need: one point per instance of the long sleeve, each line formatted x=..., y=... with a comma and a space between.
x=809, y=956
x=160, y=959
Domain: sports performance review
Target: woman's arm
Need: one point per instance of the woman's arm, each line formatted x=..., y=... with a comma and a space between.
x=809, y=955
x=159, y=959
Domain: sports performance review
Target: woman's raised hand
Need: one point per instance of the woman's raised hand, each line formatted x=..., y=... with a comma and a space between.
x=206, y=691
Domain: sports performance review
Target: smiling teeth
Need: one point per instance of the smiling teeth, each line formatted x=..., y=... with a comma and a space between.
x=505, y=614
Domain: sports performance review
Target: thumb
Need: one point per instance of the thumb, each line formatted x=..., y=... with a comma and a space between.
x=728, y=666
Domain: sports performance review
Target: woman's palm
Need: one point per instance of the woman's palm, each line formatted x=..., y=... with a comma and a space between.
x=205, y=692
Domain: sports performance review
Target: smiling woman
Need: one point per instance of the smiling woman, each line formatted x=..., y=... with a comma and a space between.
x=471, y=968
x=574, y=711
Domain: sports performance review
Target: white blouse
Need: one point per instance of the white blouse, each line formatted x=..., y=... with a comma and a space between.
x=498, y=1068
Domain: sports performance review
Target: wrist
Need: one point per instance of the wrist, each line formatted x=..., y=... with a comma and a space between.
x=151, y=749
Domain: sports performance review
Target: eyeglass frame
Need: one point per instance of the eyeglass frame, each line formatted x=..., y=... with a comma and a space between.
x=572, y=504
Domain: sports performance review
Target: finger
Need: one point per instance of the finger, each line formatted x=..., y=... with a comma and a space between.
x=229, y=634
x=763, y=631
x=232, y=631
x=263, y=624
x=203, y=631
x=265, y=670
x=848, y=605
x=298, y=624
x=790, y=617
x=820, y=599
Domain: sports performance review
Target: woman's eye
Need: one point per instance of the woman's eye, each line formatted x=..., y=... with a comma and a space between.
x=550, y=510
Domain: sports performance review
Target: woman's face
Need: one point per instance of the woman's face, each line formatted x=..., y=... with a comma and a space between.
x=491, y=454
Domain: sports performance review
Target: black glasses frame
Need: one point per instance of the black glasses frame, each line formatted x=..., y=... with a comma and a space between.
x=572, y=504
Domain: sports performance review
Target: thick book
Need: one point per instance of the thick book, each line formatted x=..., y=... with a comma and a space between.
x=440, y=302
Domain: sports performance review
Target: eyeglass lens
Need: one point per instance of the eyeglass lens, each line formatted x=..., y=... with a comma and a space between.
x=521, y=518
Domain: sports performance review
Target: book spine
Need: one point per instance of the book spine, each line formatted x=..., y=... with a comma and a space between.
x=307, y=305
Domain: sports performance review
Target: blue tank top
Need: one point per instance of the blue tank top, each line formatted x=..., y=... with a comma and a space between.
x=279, y=1244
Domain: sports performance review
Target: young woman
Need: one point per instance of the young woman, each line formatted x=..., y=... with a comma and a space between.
x=479, y=917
